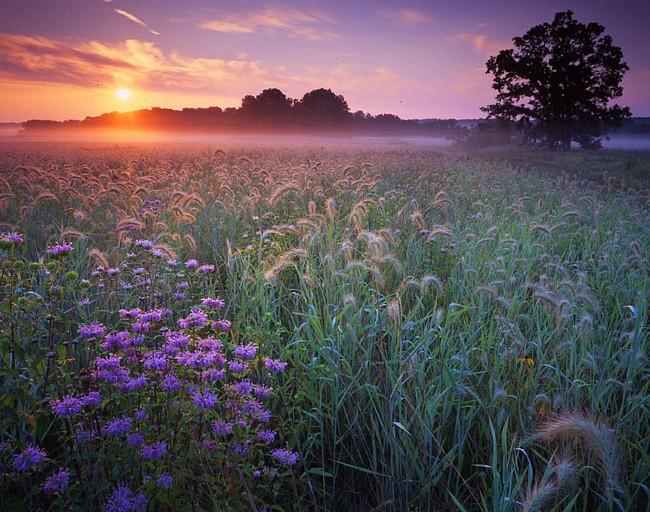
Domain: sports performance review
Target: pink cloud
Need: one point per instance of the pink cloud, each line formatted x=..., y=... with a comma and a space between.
x=482, y=44
x=404, y=17
x=294, y=22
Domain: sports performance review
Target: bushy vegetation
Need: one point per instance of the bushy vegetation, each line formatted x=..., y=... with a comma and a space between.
x=344, y=328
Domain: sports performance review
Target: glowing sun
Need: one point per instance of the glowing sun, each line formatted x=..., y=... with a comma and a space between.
x=123, y=94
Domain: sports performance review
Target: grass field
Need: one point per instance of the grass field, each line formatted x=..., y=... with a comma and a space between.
x=462, y=331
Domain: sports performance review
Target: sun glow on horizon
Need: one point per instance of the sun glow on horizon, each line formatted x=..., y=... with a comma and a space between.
x=123, y=94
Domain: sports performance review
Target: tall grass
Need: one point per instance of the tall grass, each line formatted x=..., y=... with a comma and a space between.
x=446, y=317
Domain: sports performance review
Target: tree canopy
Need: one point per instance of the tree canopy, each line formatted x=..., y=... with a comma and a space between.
x=558, y=82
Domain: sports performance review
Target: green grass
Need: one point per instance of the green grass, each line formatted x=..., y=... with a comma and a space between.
x=420, y=370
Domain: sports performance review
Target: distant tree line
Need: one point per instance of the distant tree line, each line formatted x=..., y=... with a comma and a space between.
x=270, y=111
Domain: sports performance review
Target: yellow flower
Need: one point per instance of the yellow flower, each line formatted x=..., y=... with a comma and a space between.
x=528, y=361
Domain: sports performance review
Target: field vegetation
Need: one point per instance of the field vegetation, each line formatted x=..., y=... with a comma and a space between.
x=323, y=328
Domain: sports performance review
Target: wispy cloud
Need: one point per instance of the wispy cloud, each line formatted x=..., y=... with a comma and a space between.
x=404, y=17
x=137, y=20
x=482, y=44
x=137, y=63
x=294, y=22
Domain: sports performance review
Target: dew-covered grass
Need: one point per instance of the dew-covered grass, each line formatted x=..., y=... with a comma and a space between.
x=460, y=330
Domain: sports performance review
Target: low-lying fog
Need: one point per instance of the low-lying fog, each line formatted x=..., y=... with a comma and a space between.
x=11, y=134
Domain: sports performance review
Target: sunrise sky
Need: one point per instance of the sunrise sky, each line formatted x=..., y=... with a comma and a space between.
x=69, y=59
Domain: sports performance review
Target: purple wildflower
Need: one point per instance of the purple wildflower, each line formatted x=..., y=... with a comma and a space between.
x=145, y=244
x=118, y=426
x=209, y=343
x=68, y=406
x=213, y=375
x=135, y=439
x=83, y=437
x=204, y=400
x=266, y=436
x=140, y=415
x=222, y=428
x=237, y=366
x=155, y=450
x=113, y=271
x=139, y=503
x=92, y=399
x=156, y=361
x=56, y=482
x=284, y=456
x=210, y=444
x=212, y=303
x=165, y=481
x=31, y=456
x=223, y=325
x=136, y=383
x=115, y=340
x=155, y=315
x=122, y=499
x=196, y=318
x=140, y=326
x=130, y=313
x=262, y=391
x=248, y=351
x=60, y=249
x=11, y=238
x=191, y=264
x=206, y=269
x=91, y=330
x=243, y=387
x=171, y=383
x=275, y=365
x=176, y=339
x=240, y=448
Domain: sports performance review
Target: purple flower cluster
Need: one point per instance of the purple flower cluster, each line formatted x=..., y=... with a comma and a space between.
x=145, y=244
x=196, y=318
x=165, y=481
x=67, y=406
x=212, y=303
x=123, y=499
x=222, y=325
x=118, y=427
x=154, y=451
x=248, y=351
x=204, y=399
x=57, y=482
x=28, y=458
x=275, y=365
x=60, y=250
x=11, y=239
x=109, y=369
x=92, y=330
x=285, y=456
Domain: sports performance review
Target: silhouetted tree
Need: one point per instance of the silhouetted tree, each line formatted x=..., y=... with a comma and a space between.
x=270, y=107
x=323, y=107
x=558, y=82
